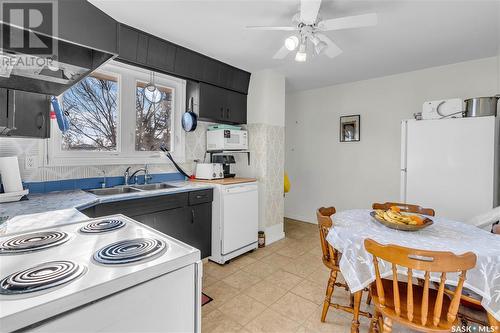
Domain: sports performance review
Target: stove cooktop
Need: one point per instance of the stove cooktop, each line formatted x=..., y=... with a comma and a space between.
x=129, y=251
x=102, y=226
x=49, y=271
x=33, y=242
x=41, y=277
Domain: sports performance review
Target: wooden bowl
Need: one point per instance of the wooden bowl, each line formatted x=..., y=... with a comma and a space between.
x=400, y=226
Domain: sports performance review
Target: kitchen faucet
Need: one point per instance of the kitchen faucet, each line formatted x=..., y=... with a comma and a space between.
x=126, y=175
x=103, y=183
x=147, y=176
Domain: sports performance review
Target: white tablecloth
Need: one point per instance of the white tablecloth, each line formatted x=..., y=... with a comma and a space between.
x=352, y=227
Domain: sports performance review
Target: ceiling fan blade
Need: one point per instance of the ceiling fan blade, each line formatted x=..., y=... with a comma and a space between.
x=256, y=27
x=309, y=11
x=357, y=21
x=332, y=50
x=282, y=53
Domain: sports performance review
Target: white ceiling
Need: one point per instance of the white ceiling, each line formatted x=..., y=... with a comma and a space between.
x=410, y=35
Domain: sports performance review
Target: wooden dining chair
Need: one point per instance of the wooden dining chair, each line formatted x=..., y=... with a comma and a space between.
x=409, y=208
x=331, y=258
x=471, y=310
x=419, y=308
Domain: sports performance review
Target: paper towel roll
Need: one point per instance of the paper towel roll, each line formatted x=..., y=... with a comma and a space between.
x=11, y=177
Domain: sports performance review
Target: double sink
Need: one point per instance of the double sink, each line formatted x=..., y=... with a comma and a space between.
x=130, y=189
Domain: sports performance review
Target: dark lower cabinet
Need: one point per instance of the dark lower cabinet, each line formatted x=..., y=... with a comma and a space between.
x=27, y=113
x=185, y=216
x=191, y=224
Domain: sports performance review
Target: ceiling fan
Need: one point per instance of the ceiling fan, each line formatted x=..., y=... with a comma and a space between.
x=309, y=27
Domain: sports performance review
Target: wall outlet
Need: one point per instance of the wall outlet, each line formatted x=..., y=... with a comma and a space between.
x=30, y=162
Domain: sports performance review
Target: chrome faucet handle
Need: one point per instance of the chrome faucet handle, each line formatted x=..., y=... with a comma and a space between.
x=147, y=175
x=126, y=175
x=103, y=183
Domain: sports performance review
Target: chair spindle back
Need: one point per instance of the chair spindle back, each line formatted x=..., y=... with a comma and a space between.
x=324, y=224
x=427, y=261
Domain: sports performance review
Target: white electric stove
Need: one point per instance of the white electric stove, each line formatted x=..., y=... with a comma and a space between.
x=105, y=274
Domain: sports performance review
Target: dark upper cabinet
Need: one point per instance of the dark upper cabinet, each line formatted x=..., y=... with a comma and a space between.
x=139, y=48
x=237, y=105
x=212, y=103
x=225, y=75
x=222, y=105
x=28, y=114
x=82, y=23
x=142, y=49
x=210, y=72
x=161, y=54
x=188, y=64
x=129, y=43
x=240, y=81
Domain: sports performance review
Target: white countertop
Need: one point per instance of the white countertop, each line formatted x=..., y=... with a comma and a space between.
x=54, y=208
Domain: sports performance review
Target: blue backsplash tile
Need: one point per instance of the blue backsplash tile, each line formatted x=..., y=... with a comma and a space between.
x=90, y=183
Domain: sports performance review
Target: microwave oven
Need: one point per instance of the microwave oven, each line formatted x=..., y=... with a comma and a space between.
x=227, y=139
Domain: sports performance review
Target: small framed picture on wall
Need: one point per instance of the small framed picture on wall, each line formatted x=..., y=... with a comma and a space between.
x=350, y=128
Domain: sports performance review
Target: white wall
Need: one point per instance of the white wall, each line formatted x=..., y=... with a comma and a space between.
x=266, y=98
x=354, y=175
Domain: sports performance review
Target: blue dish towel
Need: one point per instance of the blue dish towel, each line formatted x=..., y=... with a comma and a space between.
x=62, y=120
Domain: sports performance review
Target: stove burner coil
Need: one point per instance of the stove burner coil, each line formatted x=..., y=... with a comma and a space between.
x=128, y=251
x=40, y=277
x=102, y=226
x=33, y=242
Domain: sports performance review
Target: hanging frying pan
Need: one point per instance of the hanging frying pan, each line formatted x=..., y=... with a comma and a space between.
x=189, y=118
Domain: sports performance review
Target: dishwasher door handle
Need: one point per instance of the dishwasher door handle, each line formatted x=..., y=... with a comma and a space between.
x=241, y=189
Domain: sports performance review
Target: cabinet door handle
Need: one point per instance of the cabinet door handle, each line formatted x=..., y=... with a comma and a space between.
x=222, y=112
x=42, y=116
x=11, y=110
x=227, y=113
x=192, y=216
x=200, y=196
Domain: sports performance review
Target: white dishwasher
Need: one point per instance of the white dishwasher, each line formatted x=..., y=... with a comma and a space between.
x=235, y=220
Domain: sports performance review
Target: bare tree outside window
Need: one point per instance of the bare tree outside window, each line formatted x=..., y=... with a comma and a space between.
x=153, y=122
x=92, y=108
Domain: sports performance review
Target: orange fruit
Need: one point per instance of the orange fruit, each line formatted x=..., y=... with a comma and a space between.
x=396, y=209
x=417, y=219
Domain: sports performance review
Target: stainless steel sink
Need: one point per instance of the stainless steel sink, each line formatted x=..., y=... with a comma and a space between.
x=151, y=187
x=113, y=190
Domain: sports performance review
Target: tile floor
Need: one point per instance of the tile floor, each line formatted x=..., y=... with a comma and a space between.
x=279, y=288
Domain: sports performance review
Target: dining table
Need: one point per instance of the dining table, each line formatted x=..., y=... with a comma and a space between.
x=351, y=227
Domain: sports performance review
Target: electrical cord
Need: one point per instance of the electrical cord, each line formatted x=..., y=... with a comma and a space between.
x=167, y=153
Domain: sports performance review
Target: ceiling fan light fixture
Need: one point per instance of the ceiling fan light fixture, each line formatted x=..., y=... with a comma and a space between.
x=320, y=47
x=301, y=55
x=291, y=43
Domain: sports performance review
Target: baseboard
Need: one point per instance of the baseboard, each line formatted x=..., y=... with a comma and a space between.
x=274, y=233
x=300, y=218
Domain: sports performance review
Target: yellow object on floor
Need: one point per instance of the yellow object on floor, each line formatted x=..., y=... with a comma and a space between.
x=287, y=183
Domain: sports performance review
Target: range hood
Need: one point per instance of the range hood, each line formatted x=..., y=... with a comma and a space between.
x=85, y=39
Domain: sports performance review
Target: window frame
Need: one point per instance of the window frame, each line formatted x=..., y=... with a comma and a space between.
x=128, y=76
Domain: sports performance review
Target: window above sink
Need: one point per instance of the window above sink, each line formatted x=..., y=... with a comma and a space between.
x=112, y=123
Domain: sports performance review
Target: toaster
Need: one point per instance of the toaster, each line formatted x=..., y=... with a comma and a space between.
x=209, y=171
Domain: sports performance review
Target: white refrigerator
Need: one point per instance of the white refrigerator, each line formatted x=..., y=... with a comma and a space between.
x=450, y=165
